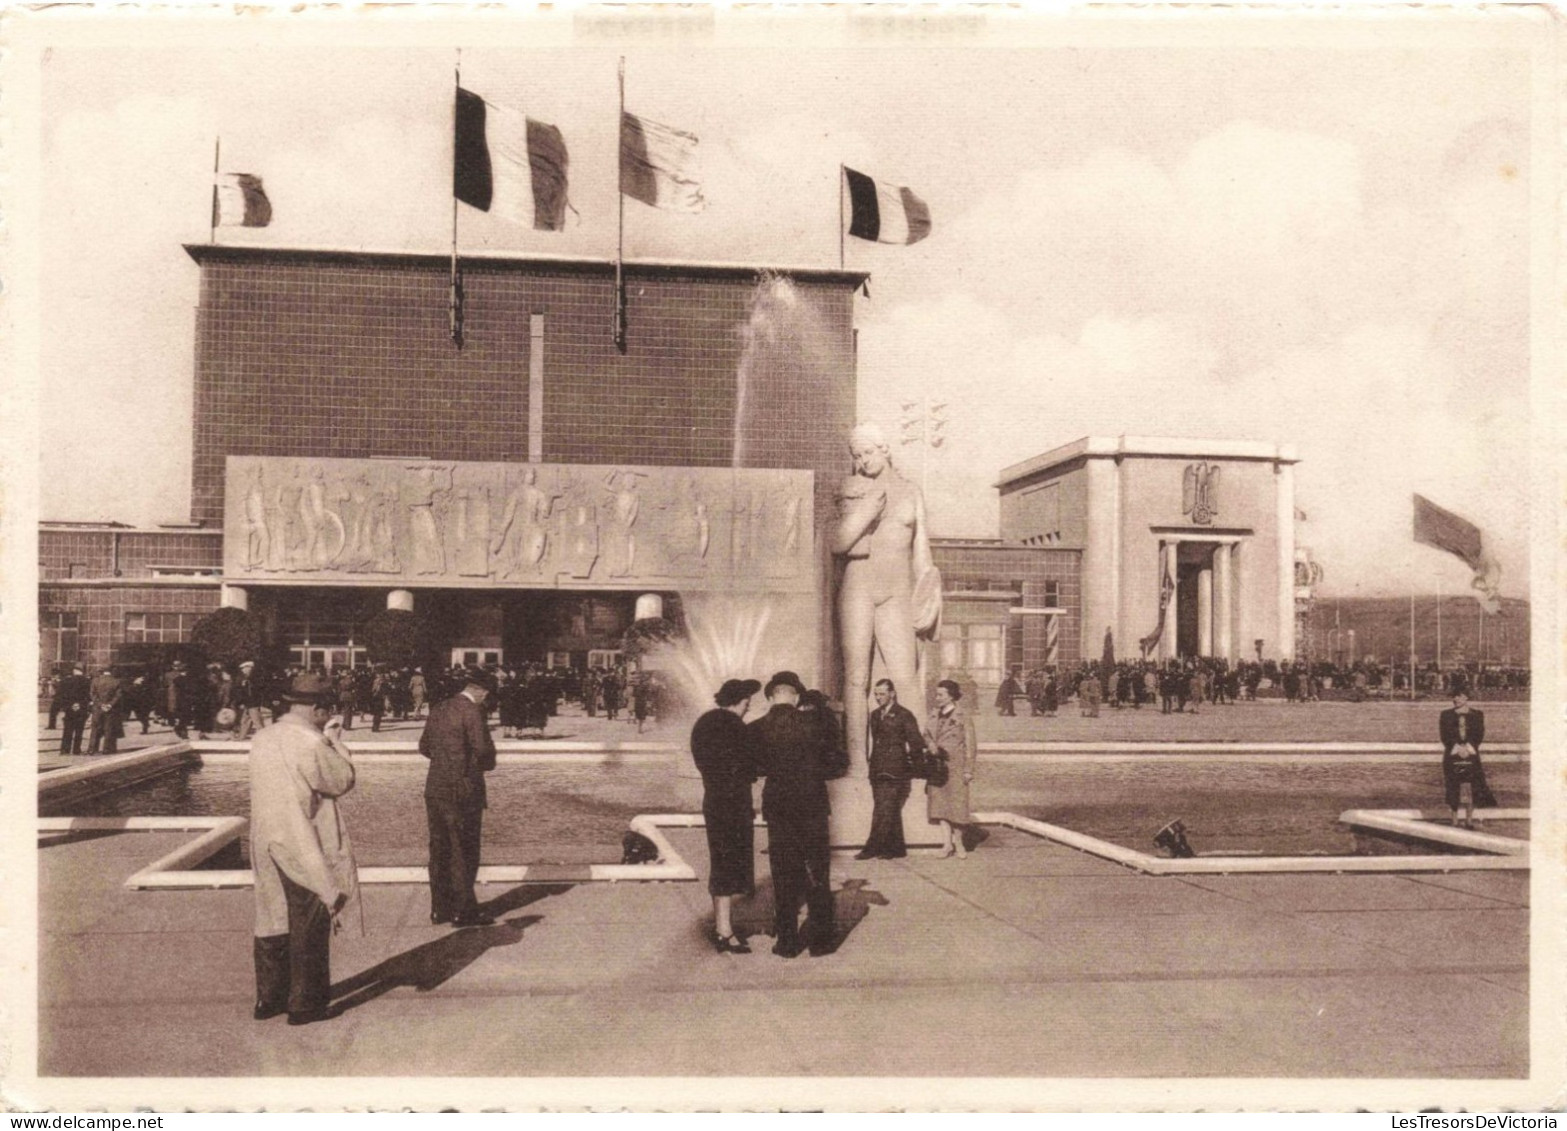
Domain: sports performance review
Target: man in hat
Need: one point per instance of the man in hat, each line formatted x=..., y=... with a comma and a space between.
x=76, y=698
x=106, y=694
x=791, y=756
x=304, y=865
x=457, y=741
x=249, y=698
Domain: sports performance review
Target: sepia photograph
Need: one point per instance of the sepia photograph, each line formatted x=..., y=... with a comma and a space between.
x=845, y=557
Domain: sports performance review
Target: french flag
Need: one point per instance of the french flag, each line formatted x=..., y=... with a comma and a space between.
x=885, y=213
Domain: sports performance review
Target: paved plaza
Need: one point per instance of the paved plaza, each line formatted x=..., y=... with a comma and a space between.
x=1028, y=959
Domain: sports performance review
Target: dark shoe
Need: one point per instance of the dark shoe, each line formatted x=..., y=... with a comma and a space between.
x=731, y=944
x=865, y=854
x=309, y=1016
x=473, y=919
x=264, y=1012
x=819, y=949
x=788, y=949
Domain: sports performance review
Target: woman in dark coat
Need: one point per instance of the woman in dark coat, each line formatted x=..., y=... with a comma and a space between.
x=722, y=752
x=1462, y=729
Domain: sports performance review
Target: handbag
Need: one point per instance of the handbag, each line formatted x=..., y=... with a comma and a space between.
x=930, y=765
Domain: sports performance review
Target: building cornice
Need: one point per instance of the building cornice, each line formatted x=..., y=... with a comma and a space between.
x=204, y=253
x=1147, y=447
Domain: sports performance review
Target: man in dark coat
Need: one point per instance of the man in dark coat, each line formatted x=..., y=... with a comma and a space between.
x=76, y=700
x=895, y=739
x=791, y=756
x=457, y=741
x=107, y=694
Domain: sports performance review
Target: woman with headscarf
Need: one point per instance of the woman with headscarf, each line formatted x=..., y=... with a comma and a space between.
x=951, y=731
x=721, y=748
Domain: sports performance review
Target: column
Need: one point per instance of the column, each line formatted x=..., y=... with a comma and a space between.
x=1224, y=602
x=1205, y=612
x=402, y=599
x=1100, y=565
x=1169, y=647
x=1284, y=497
x=233, y=597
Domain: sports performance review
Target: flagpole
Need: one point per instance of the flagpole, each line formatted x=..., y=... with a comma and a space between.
x=1411, y=643
x=1439, y=625
x=620, y=226
x=840, y=215
x=454, y=297
x=217, y=147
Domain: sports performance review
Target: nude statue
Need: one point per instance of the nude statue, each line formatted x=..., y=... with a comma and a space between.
x=890, y=593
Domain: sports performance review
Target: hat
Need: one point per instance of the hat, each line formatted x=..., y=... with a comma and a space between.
x=736, y=690
x=781, y=678
x=78, y=670
x=308, y=687
x=247, y=663
x=478, y=677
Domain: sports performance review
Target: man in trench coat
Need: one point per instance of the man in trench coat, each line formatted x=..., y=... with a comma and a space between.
x=304, y=865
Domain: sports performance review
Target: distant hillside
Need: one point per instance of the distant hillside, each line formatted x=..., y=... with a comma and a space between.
x=1381, y=626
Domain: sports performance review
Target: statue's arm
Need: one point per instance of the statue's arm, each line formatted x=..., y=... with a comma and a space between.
x=857, y=514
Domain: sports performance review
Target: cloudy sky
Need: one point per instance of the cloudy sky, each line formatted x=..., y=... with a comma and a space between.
x=1326, y=245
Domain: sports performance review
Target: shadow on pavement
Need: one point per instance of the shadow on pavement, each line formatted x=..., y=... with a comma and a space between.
x=431, y=964
x=753, y=915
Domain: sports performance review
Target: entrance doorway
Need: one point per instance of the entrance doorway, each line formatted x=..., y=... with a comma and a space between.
x=1194, y=598
x=326, y=657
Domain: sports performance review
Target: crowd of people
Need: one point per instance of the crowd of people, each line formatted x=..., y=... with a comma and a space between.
x=234, y=702
x=1178, y=686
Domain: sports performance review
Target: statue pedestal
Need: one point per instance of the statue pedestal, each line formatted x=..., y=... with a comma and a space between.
x=850, y=822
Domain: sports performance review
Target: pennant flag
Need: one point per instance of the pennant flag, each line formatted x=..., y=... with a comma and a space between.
x=885, y=213
x=507, y=162
x=1445, y=530
x=240, y=202
x=658, y=165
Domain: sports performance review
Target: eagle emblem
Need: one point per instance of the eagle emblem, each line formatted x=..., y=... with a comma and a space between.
x=1200, y=492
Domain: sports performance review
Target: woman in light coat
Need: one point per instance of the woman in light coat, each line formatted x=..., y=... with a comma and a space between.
x=950, y=729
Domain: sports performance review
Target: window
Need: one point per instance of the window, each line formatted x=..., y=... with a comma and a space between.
x=605, y=658
x=976, y=649
x=1052, y=594
x=159, y=628
x=58, y=634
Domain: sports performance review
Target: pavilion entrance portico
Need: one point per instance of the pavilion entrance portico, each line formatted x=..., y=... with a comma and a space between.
x=1199, y=618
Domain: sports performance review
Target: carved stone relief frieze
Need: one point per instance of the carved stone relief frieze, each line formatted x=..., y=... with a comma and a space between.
x=515, y=525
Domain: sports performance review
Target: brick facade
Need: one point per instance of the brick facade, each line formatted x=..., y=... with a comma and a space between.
x=101, y=612
x=974, y=572
x=335, y=354
x=112, y=552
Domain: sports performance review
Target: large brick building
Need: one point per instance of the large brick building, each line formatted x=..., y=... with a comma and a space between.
x=526, y=489
x=332, y=383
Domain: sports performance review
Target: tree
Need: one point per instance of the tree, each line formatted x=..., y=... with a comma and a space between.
x=645, y=635
x=227, y=636
x=397, y=637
